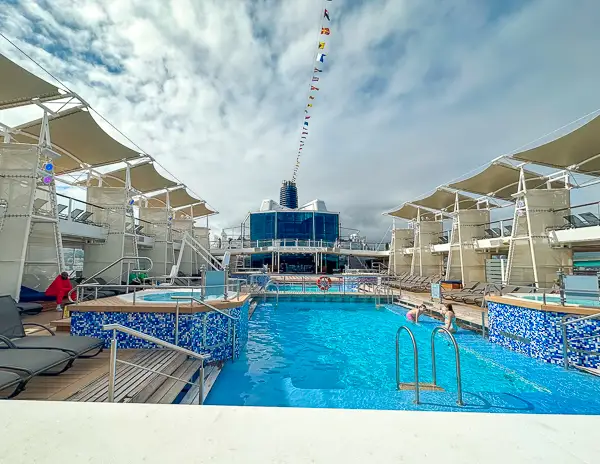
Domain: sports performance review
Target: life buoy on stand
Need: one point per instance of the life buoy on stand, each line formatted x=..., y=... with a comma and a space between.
x=324, y=283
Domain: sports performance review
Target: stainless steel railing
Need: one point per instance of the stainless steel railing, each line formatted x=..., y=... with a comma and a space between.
x=415, y=357
x=112, y=368
x=457, y=360
x=124, y=258
x=212, y=308
x=565, y=322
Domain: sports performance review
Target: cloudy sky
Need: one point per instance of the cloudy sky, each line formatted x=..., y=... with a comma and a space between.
x=414, y=93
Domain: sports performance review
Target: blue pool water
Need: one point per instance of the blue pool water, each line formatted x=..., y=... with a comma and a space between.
x=342, y=355
x=312, y=288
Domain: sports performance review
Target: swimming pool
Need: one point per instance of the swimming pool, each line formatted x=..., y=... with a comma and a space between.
x=342, y=355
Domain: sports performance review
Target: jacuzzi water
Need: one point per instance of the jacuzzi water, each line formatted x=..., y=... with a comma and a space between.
x=168, y=296
x=342, y=355
x=555, y=299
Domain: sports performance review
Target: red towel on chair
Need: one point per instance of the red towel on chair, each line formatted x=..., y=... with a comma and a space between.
x=59, y=288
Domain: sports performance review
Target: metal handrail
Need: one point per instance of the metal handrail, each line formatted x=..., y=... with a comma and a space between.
x=123, y=258
x=457, y=360
x=211, y=307
x=415, y=356
x=112, y=369
x=274, y=282
x=565, y=337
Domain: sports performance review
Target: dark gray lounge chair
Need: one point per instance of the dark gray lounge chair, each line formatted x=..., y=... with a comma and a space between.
x=11, y=384
x=29, y=363
x=12, y=335
x=29, y=308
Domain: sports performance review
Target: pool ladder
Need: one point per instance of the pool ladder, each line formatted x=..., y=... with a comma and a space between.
x=433, y=366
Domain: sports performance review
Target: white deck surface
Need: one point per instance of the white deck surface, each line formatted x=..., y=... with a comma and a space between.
x=54, y=432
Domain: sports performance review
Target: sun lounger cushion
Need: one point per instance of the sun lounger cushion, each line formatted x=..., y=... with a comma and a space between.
x=77, y=345
x=31, y=362
x=8, y=380
x=30, y=308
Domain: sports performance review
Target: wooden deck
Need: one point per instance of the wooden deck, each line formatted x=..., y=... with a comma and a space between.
x=118, y=304
x=65, y=385
x=87, y=379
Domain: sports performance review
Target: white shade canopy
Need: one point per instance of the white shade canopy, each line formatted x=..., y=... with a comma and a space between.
x=144, y=178
x=498, y=180
x=443, y=199
x=577, y=149
x=18, y=86
x=80, y=140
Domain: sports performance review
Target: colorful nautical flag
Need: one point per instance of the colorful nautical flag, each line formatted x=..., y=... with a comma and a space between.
x=306, y=117
x=306, y=123
x=317, y=70
x=325, y=31
x=309, y=105
x=326, y=14
x=315, y=79
x=321, y=45
x=311, y=97
x=312, y=87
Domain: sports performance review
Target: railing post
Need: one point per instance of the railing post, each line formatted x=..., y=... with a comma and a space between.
x=177, y=323
x=416, y=361
x=233, y=341
x=565, y=346
x=112, y=367
x=459, y=400
x=201, y=384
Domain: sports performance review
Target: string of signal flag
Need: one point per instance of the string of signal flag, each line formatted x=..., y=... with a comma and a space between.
x=316, y=76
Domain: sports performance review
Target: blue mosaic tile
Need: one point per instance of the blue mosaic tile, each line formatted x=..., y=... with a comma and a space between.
x=209, y=333
x=538, y=334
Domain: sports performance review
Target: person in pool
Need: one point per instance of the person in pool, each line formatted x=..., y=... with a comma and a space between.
x=413, y=314
x=450, y=318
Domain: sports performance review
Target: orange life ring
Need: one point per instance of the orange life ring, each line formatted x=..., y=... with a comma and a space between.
x=324, y=283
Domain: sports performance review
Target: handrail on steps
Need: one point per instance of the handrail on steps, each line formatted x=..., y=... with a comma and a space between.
x=123, y=258
x=565, y=338
x=112, y=369
x=211, y=307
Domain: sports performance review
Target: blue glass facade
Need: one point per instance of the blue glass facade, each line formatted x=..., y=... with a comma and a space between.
x=294, y=225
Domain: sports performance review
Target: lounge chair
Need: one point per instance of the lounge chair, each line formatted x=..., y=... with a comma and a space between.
x=11, y=384
x=458, y=296
x=591, y=219
x=574, y=221
x=12, y=335
x=29, y=363
x=29, y=308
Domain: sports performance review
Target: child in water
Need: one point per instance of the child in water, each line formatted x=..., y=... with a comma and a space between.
x=413, y=314
x=450, y=319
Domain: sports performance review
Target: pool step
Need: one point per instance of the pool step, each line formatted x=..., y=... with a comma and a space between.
x=589, y=370
x=422, y=386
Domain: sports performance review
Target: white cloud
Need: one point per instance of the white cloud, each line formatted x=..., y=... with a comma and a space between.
x=412, y=95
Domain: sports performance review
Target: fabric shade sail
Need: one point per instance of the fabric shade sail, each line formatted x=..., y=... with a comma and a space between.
x=409, y=212
x=578, y=148
x=498, y=180
x=177, y=198
x=144, y=178
x=197, y=210
x=444, y=200
x=76, y=135
x=18, y=86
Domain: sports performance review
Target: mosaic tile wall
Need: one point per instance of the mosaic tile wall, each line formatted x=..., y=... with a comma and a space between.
x=209, y=333
x=538, y=334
